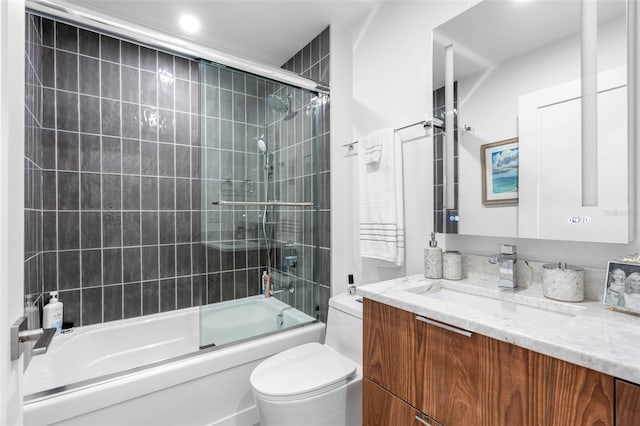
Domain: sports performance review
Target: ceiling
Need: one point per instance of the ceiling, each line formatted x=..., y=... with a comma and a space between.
x=268, y=31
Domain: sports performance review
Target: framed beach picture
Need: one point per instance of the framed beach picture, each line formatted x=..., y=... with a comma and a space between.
x=500, y=172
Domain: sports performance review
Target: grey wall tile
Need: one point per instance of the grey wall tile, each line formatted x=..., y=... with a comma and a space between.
x=112, y=229
x=89, y=75
x=66, y=37
x=66, y=110
x=149, y=193
x=131, y=229
x=68, y=269
x=111, y=192
x=131, y=264
x=67, y=151
x=109, y=80
x=167, y=295
x=132, y=300
x=149, y=263
x=112, y=302
x=66, y=71
x=89, y=114
x=109, y=48
x=131, y=156
x=71, y=306
x=91, y=268
x=91, y=192
x=68, y=230
x=68, y=190
x=111, y=266
x=111, y=155
x=150, y=297
x=91, y=223
x=91, y=306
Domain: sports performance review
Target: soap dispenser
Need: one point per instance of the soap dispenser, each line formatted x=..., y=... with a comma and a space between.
x=52, y=313
x=433, y=259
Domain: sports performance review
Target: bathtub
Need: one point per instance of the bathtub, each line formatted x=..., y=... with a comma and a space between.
x=151, y=370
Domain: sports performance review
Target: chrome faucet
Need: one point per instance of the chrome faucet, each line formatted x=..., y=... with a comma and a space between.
x=506, y=261
x=280, y=316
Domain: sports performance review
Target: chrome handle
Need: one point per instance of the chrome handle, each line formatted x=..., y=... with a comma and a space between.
x=20, y=334
x=43, y=342
x=444, y=326
x=423, y=421
x=272, y=292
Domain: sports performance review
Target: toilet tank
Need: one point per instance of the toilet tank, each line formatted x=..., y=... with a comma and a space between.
x=344, y=326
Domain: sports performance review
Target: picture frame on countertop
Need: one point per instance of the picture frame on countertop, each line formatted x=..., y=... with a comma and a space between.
x=622, y=286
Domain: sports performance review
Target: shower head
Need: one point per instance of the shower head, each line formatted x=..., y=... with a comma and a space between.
x=262, y=145
x=279, y=103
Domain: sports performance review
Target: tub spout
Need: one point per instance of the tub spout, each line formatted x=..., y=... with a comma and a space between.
x=280, y=316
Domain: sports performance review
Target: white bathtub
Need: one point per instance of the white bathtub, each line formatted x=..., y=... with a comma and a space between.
x=149, y=371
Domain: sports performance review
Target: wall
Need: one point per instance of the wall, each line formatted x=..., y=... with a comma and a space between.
x=312, y=61
x=385, y=65
x=12, y=119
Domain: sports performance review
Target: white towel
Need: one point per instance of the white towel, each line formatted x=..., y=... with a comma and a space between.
x=373, y=145
x=381, y=200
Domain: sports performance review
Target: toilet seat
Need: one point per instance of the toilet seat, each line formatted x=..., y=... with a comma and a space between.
x=302, y=372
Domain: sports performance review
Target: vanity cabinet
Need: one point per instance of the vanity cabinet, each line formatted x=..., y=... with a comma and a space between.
x=627, y=404
x=458, y=378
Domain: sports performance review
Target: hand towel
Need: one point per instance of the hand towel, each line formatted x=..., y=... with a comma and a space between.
x=381, y=201
x=373, y=144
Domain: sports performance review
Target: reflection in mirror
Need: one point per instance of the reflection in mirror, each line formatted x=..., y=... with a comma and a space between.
x=503, y=52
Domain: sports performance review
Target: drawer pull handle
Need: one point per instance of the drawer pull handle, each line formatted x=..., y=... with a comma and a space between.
x=445, y=326
x=423, y=421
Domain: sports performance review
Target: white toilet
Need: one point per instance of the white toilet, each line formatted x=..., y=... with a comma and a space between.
x=314, y=384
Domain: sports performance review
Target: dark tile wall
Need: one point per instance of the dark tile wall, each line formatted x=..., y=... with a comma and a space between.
x=442, y=220
x=33, y=166
x=120, y=177
x=312, y=61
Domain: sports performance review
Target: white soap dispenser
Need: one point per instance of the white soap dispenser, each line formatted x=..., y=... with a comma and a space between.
x=52, y=313
x=433, y=259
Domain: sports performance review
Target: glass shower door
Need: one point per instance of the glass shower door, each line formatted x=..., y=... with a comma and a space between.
x=258, y=185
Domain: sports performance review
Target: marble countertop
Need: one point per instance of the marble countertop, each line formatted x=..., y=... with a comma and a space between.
x=587, y=334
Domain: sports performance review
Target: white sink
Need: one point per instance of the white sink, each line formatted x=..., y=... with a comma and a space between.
x=511, y=312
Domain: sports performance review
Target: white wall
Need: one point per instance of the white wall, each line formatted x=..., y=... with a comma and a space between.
x=386, y=65
x=11, y=201
x=488, y=102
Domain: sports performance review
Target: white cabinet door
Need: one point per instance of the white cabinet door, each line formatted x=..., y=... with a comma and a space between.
x=551, y=169
x=12, y=17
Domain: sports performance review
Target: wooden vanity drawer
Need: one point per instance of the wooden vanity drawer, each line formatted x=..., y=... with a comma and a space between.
x=461, y=378
x=627, y=404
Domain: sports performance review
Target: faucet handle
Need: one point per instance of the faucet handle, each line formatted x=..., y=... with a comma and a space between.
x=508, y=249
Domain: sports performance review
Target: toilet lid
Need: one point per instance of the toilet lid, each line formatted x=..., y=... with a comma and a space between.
x=301, y=371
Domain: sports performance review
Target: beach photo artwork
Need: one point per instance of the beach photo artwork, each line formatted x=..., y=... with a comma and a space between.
x=500, y=172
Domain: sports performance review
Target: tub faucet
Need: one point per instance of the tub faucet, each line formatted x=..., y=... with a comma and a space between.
x=506, y=260
x=280, y=316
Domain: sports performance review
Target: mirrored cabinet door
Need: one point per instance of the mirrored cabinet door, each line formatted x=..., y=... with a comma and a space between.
x=537, y=139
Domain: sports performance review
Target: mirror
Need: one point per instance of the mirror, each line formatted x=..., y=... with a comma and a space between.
x=524, y=75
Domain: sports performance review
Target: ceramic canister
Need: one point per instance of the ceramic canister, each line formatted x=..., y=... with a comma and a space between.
x=451, y=265
x=563, y=282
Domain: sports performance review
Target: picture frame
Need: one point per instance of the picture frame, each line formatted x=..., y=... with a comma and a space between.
x=622, y=286
x=499, y=163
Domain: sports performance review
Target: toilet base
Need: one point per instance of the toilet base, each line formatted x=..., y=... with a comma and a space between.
x=339, y=407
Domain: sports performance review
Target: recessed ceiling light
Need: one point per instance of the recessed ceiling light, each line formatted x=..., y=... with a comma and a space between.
x=189, y=23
